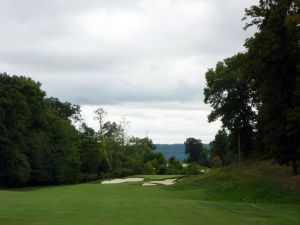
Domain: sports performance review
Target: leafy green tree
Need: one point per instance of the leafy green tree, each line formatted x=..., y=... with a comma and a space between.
x=193, y=169
x=157, y=160
x=141, y=144
x=37, y=144
x=21, y=101
x=230, y=96
x=115, y=131
x=114, y=153
x=90, y=154
x=64, y=110
x=141, y=151
x=273, y=68
x=195, y=151
x=174, y=166
x=134, y=163
x=219, y=145
x=149, y=168
x=100, y=114
x=64, y=145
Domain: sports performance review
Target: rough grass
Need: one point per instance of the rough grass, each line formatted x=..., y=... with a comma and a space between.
x=211, y=199
x=253, y=182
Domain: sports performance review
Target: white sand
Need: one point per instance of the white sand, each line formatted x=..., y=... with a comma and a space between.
x=133, y=179
x=164, y=182
x=123, y=180
x=149, y=184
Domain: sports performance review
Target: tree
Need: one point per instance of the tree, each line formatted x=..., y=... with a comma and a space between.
x=273, y=68
x=113, y=153
x=90, y=154
x=123, y=125
x=195, y=151
x=37, y=144
x=230, y=96
x=21, y=103
x=149, y=168
x=174, y=166
x=65, y=110
x=141, y=144
x=64, y=151
x=219, y=145
x=113, y=130
x=140, y=152
x=100, y=115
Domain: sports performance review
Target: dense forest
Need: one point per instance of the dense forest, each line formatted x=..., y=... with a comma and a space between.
x=255, y=94
x=43, y=141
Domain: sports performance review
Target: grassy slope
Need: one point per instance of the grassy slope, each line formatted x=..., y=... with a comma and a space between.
x=183, y=203
x=257, y=181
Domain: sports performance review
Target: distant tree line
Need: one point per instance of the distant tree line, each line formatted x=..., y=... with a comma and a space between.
x=256, y=94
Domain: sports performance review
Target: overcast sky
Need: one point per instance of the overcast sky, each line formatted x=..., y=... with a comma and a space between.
x=143, y=59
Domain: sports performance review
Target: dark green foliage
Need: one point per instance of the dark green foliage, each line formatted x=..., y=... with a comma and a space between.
x=230, y=95
x=64, y=110
x=114, y=153
x=143, y=159
x=174, y=166
x=20, y=100
x=267, y=78
x=219, y=146
x=90, y=155
x=37, y=145
x=112, y=130
x=273, y=68
x=195, y=151
x=193, y=169
x=65, y=159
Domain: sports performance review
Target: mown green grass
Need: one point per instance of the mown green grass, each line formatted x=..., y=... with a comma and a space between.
x=196, y=200
x=91, y=204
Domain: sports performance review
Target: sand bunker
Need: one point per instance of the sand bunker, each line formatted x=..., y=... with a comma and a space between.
x=123, y=180
x=148, y=184
x=163, y=182
x=136, y=179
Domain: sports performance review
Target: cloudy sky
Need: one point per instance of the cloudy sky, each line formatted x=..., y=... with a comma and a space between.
x=142, y=59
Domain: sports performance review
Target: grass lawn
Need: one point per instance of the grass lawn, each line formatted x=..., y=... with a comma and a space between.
x=91, y=204
x=134, y=204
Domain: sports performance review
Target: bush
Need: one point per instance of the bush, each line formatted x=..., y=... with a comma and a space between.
x=193, y=169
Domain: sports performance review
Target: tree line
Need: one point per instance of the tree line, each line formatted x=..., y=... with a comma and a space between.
x=44, y=141
x=256, y=94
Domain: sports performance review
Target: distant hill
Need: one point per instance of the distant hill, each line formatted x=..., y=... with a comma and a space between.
x=176, y=150
x=169, y=150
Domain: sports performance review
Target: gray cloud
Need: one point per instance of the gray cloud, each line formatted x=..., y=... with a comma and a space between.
x=164, y=122
x=119, y=52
